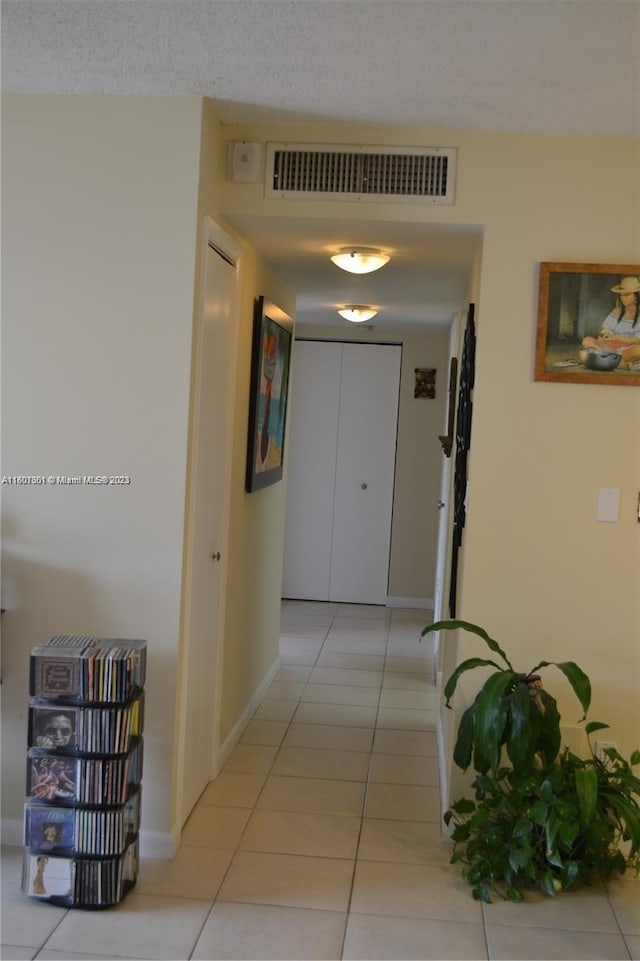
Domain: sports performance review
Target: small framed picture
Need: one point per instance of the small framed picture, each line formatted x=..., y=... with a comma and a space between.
x=589, y=324
x=425, y=382
x=268, y=399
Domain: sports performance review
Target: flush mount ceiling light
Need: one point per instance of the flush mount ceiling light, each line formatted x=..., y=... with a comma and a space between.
x=357, y=313
x=360, y=260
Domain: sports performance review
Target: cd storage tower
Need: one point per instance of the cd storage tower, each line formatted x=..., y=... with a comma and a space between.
x=84, y=770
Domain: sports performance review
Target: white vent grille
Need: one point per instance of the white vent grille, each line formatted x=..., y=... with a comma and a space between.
x=329, y=171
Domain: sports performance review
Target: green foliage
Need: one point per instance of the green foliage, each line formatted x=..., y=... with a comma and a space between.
x=543, y=819
x=511, y=710
x=552, y=829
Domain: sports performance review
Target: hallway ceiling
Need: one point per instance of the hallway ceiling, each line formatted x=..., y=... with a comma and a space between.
x=539, y=66
x=423, y=284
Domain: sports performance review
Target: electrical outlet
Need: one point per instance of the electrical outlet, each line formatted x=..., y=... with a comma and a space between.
x=601, y=747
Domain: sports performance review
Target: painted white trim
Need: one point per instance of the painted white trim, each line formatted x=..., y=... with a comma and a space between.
x=417, y=603
x=215, y=236
x=442, y=771
x=235, y=733
x=159, y=844
x=13, y=832
x=218, y=237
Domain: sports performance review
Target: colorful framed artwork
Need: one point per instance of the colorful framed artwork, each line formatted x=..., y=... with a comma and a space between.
x=589, y=324
x=268, y=398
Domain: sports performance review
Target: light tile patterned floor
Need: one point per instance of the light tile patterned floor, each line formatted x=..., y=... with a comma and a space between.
x=321, y=837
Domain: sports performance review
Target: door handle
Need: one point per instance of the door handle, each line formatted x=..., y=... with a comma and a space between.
x=216, y=556
x=440, y=505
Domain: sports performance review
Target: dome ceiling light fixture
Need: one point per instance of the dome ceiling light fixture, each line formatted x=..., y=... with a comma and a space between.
x=357, y=313
x=360, y=260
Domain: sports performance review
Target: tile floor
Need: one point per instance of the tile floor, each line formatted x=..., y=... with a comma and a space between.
x=321, y=836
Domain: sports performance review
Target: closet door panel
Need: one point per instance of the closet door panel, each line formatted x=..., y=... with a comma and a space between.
x=312, y=441
x=365, y=470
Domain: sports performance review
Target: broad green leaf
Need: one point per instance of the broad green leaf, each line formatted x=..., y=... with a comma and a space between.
x=464, y=666
x=595, y=726
x=480, y=762
x=464, y=743
x=464, y=806
x=568, y=833
x=538, y=812
x=549, y=737
x=481, y=817
x=629, y=813
x=522, y=827
x=554, y=858
x=547, y=883
x=473, y=629
x=546, y=791
x=519, y=740
x=571, y=873
x=491, y=716
x=519, y=858
x=635, y=757
x=461, y=832
x=482, y=893
x=587, y=791
x=577, y=679
x=551, y=829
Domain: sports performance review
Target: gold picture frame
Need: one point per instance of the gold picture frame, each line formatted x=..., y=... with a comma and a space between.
x=587, y=318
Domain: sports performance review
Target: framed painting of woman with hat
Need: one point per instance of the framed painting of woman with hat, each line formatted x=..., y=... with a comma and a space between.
x=589, y=324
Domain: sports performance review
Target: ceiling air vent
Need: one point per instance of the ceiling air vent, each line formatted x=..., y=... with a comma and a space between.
x=332, y=171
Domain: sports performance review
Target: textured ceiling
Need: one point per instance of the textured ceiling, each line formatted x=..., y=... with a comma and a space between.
x=521, y=65
x=539, y=66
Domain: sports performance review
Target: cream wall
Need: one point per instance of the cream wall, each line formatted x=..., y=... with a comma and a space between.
x=256, y=521
x=99, y=210
x=538, y=570
x=99, y=253
x=104, y=200
x=418, y=456
x=257, y=530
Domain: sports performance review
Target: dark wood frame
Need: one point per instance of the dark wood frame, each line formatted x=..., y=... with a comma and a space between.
x=272, y=334
x=573, y=301
x=463, y=443
x=447, y=439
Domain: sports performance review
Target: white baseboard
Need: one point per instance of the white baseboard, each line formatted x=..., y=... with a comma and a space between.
x=444, y=787
x=159, y=844
x=235, y=733
x=13, y=832
x=417, y=603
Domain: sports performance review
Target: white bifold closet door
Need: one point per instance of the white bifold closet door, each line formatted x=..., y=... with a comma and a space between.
x=342, y=447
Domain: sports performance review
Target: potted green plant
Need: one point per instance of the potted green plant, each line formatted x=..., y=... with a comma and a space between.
x=539, y=816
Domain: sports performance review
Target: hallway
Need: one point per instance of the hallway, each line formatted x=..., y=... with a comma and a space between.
x=321, y=837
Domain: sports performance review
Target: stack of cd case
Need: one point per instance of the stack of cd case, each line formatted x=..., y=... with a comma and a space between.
x=84, y=769
x=80, y=882
x=87, y=668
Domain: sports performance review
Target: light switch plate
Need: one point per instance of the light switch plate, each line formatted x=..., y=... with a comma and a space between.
x=608, y=504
